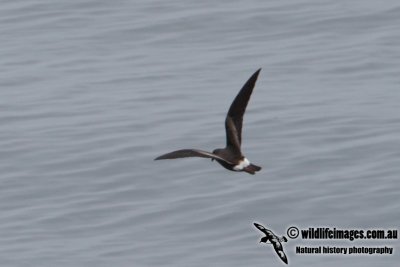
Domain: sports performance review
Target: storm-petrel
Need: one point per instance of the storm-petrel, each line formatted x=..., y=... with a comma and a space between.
x=274, y=240
x=231, y=156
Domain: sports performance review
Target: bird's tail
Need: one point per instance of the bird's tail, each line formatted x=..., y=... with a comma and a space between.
x=252, y=169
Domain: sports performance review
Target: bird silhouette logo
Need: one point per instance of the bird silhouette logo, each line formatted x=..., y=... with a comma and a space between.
x=230, y=157
x=274, y=240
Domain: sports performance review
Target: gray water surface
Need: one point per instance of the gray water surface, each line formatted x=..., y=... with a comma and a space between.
x=93, y=91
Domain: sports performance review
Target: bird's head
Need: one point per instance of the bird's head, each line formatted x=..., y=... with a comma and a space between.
x=264, y=239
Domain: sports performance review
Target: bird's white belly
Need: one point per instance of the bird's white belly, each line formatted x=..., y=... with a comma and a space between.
x=242, y=164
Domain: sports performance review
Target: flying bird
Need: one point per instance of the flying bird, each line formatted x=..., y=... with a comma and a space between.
x=231, y=156
x=274, y=241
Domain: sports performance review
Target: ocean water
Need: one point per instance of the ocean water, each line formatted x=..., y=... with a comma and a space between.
x=92, y=91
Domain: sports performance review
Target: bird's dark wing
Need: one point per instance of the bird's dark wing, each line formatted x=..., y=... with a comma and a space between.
x=279, y=250
x=232, y=135
x=266, y=231
x=261, y=228
x=234, y=118
x=185, y=153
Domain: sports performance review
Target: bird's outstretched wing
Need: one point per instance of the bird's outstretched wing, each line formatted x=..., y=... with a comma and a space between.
x=261, y=228
x=185, y=153
x=234, y=118
x=268, y=233
x=279, y=250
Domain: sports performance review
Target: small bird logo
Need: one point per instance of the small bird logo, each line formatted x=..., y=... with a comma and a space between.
x=274, y=241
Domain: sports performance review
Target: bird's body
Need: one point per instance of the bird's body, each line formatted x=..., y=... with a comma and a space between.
x=231, y=156
x=274, y=240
